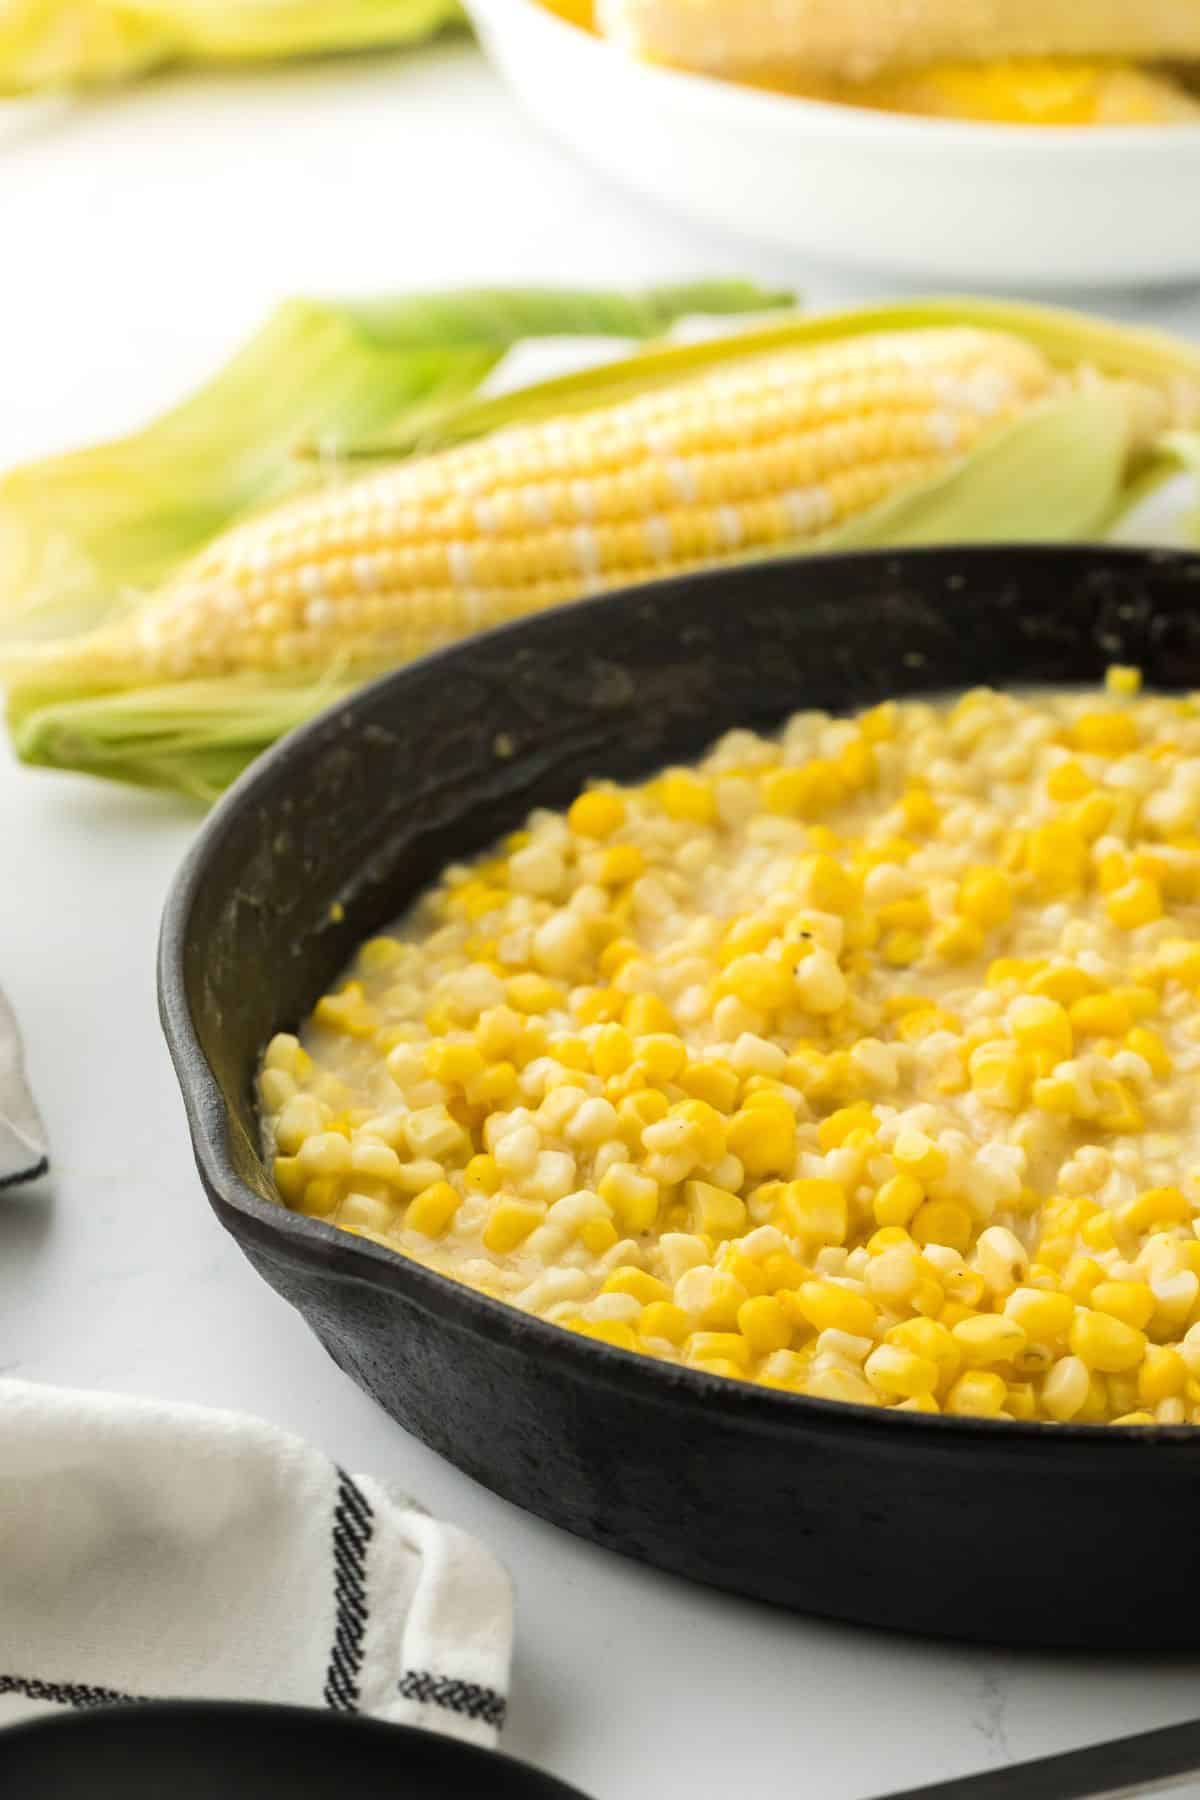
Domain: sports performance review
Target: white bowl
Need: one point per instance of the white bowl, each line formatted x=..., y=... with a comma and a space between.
x=1027, y=206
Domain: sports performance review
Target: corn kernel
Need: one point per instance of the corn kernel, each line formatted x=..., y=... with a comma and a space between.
x=899, y=1374
x=1132, y=1302
x=985, y=896
x=917, y=1155
x=1106, y=1344
x=621, y=864
x=827, y=1307
x=763, y=1140
x=1101, y=1015
x=979, y=1393
x=687, y=797
x=805, y=792
x=662, y=1319
x=645, y=1015
x=988, y=1339
x=597, y=814
x=1139, y=902
x=815, y=1210
x=833, y=1131
x=898, y=1200
x=943, y=1222
x=1068, y=781
x=432, y=1212
x=509, y=1224
x=1057, y=857
x=1105, y=733
x=765, y=1324
x=714, y=1211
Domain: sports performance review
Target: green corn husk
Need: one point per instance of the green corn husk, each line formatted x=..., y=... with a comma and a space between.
x=82, y=535
x=1069, y=470
x=48, y=45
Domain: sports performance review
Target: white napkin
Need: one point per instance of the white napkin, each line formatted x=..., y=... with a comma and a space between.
x=155, y=1552
x=22, y=1137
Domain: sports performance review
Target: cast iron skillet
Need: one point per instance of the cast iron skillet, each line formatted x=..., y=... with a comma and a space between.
x=1015, y=1533
x=201, y=1750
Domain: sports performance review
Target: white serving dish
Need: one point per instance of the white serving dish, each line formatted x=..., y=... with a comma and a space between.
x=1010, y=206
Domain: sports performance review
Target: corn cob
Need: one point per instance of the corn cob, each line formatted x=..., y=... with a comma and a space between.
x=857, y=39
x=929, y=422
x=769, y=453
x=1014, y=93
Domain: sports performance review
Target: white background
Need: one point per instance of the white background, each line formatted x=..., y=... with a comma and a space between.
x=141, y=237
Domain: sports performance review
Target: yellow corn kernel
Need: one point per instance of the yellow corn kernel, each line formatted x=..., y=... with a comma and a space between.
x=686, y=797
x=857, y=764
x=957, y=941
x=290, y=1178
x=1139, y=902
x=453, y=1064
x=598, y=1236
x=708, y=1128
x=662, y=1319
x=763, y=1139
x=509, y=1224
x=1069, y=782
x=979, y=1393
x=620, y=864
x=1155, y=1207
x=1101, y=1015
x=612, y=1051
x=943, y=1222
x=920, y=811
x=719, y=1346
x=757, y=980
x=879, y=724
x=828, y=1307
x=815, y=1210
x=899, y=1374
x=989, y=1339
x=901, y=948
x=432, y=1212
x=1163, y=1376
x=1150, y=1047
x=985, y=896
x=783, y=1272
x=1106, y=1344
x=662, y=1056
x=1098, y=1233
x=613, y=1332
x=898, y=1200
x=645, y=1015
x=482, y=1174
x=714, y=1211
x=931, y=1339
x=1092, y=817
x=1057, y=857
x=1123, y=680
x=638, y=1284
x=1105, y=733
x=1135, y=1418
x=714, y=1083
x=1042, y=1026
x=1132, y=1302
x=531, y=993
x=833, y=1131
x=633, y=1197
x=999, y=1075
x=765, y=1323
x=804, y=792
x=597, y=814
x=828, y=885
x=347, y=1012
x=1062, y=982
x=1119, y=1109
x=1012, y=968
x=915, y=1154
x=614, y=956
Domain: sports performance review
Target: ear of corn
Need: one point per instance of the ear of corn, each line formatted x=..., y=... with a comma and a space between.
x=943, y=422
x=70, y=43
x=83, y=534
x=1063, y=92
x=858, y=39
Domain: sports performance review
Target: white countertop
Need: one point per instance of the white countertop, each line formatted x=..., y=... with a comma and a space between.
x=143, y=236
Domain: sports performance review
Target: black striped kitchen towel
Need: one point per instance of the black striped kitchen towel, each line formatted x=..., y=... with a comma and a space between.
x=22, y=1138
x=165, y=1552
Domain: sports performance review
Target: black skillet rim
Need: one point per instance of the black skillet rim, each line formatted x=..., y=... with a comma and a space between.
x=311, y=1242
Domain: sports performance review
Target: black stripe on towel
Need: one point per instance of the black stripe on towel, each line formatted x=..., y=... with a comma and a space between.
x=465, y=1697
x=66, y=1693
x=353, y=1523
x=34, y=1172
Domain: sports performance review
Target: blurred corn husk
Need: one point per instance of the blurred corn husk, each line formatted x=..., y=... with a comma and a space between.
x=55, y=44
x=419, y=509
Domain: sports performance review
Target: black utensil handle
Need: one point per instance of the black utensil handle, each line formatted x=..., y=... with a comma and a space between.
x=1142, y=1764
